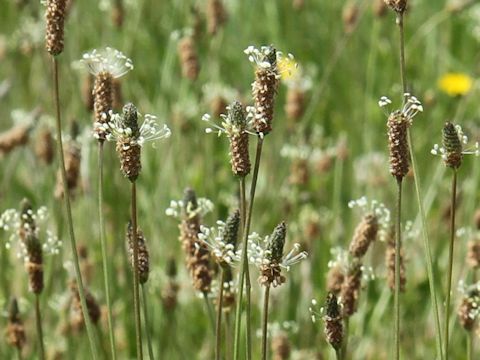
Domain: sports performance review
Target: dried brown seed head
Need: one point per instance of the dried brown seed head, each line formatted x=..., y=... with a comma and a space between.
x=73, y=158
x=15, y=331
x=189, y=58
x=45, y=146
x=365, y=234
x=350, y=291
x=281, y=347
x=13, y=138
x=216, y=16
x=93, y=308
x=350, y=14
x=295, y=104
x=335, y=278
x=143, y=264
x=400, y=6
x=103, y=100
x=473, y=254
x=398, y=145
x=333, y=322
x=239, y=155
x=55, y=18
x=390, y=263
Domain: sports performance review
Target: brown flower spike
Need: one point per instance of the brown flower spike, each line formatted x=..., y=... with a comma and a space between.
x=34, y=257
x=264, y=88
x=188, y=58
x=196, y=253
x=365, y=233
x=239, y=156
x=398, y=144
x=129, y=151
x=397, y=5
x=333, y=322
x=55, y=18
x=390, y=263
x=143, y=255
x=350, y=291
x=15, y=331
x=93, y=307
x=216, y=16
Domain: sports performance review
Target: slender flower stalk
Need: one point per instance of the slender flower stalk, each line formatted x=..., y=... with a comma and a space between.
x=106, y=65
x=452, y=153
x=267, y=254
x=54, y=43
x=400, y=6
x=264, y=88
x=145, y=317
x=130, y=137
x=222, y=242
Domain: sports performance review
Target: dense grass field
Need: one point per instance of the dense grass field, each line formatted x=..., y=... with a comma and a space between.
x=328, y=146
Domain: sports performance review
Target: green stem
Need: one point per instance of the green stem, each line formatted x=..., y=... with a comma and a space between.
x=136, y=290
x=426, y=245
x=104, y=251
x=469, y=345
x=68, y=209
x=211, y=316
x=38, y=319
x=450, y=259
x=398, y=239
x=19, y=353
x=244, y=271
x=338, y=354
x=145, y=319
x=403, y=73
x=265, y=322
x=426, y=241
x=218, y=329
x=345, y=338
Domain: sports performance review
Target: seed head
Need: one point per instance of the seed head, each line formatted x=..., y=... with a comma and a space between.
x=73, y=158
x=55, y=19
x=335, y=277
x=276, y=243
x=102, y=103
x=130, y=151
x=240, y=158
x=15, y=137
x=469, y=309
x=452, y=145
x=45, y=146
x=365, y=233
x=398, y=144
x=350, y=291
x=143, y=263
x=295, y=103
x=15, y=331
x=397, y=5
x=216, y=16
x=281, y=347
x=231, y=228
x=473, y=254
x=333, y=322
x=93, y=308
x=189, y=58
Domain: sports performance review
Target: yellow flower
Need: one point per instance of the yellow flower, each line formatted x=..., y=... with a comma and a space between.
x=455, y=84
x=287, y=68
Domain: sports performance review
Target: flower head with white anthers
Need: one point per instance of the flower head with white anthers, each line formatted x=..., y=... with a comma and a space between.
x=17, y=224
x=377, y=209
x=180, y=210
x=107, y=60
x=150, y=130
x=234, y=123
x=469, y=309
x=343, y=261
x=466, y=150
x=267, y=254
x=268, y=58
x=411, y=107
x=221, y=240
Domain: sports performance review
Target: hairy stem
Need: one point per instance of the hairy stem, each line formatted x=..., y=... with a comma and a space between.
x=244, y=271
x=218, y=328
x=136, y=290
x=68, y=210
x=38, y=320
x=145, y=320
x=104, y=251
x=450, y=259
x=398, y=239
x=265, y=322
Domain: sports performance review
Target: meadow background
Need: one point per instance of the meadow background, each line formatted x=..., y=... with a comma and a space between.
x=349, y=69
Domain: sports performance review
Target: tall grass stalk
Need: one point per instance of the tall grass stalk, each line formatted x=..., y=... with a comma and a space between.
x=68, y=210
x=218, y=327
x=38, y=320
x=145, y=319
x=343, y=350
x=398, y=239
x=265, y=322
x=450, y=260
x=104, y=251
x=211, y=315
x=136, y=282
x=244, y=271
x=426, y=241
